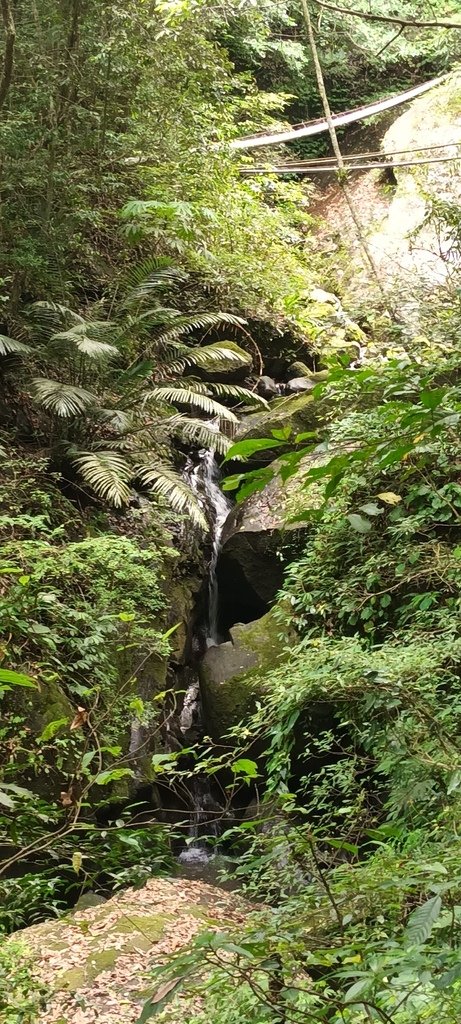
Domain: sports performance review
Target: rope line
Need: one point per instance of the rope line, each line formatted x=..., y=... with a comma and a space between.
x=303, y=169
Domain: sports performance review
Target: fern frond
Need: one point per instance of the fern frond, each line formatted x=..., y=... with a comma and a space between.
x=91, y=347
x=9, y=346
x=198, y=432
x=107, y=473
x=198, y=321
x=216, y=357
x=185, y=396
x=163, y=480
x=242, y=394
x=61, y=399
x=145, y=279
x=47, y=317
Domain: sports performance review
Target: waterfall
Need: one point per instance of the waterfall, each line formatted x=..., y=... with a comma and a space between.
x=203, y=478
x=202, y=475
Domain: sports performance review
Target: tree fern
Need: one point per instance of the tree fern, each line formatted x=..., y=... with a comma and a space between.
x=163, y=480
x=61, y=399
x=107, y=473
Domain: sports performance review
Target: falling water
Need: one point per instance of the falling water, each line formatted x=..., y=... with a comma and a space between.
x=204, y=481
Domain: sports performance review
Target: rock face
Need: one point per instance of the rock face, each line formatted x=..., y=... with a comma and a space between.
x=96, y=962
x=229, y=673
x=250, y=571
x=297, y=412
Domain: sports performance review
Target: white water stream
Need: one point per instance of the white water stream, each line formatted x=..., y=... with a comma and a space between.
x=203, y=478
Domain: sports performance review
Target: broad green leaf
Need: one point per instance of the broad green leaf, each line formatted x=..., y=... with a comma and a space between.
x=6, y=801
x=245, y=767
x=52, y=728
x=454, y=781
x=431, y=399
x=158, y=1001
x=11, y=678
x=242, y=449
x=371, y=509
x=126, y=616
x=359, y=523
x=87, y=758
x=448, y=979
x=357, y=989
x=421, y=921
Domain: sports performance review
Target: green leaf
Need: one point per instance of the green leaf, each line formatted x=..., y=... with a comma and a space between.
x=87, y=758
x=245, y=767
x=52, y=728
x=158, y=1001
x=371, y=509
x=112, y=775
x=421, y=921
x=11, y=678
x=126, y=616
x=449, y=978
x=454, y=781
x=359, y=523
x=357, y=989
x=431, y=399
x=242, y=449
x=6, y=800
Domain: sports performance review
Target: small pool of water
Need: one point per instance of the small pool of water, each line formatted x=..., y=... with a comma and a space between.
x=200, y=864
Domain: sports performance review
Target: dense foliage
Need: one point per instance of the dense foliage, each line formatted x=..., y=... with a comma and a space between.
x=144, y=279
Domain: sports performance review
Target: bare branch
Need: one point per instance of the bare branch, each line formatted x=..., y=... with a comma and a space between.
x=405, y=23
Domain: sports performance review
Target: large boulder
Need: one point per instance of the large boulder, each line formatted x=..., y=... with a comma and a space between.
x=230, y=674
x=296, y=412
x=250, y=571
x=96, y=965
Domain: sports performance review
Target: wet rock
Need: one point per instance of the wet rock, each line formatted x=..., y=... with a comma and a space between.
x=299, y=384
x=267, y=387
x=250, y=571
x=229, y=673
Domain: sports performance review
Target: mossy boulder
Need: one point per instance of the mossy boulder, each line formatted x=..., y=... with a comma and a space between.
x=97, y=963
x=230, y=674
x=298, y=413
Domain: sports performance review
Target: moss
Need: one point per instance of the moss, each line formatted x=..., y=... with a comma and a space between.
x=227, y=700
x=297, y=412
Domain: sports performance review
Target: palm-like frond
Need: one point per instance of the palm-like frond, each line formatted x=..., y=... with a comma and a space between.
x=210, y=358
x=198, y=321
x=242, y=394
x=148, y=277
x=186, y=396
x=198, y=432
x=9, y=346
x=107, y=473
x=163, y=480
x=79, y=335
x=61, y=399
x=48, y=317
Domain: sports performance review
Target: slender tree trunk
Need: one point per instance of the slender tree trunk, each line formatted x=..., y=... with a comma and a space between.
x=342, y=172
x=8, y=60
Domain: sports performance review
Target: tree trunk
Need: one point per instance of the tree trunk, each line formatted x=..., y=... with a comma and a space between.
x=10, y=38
